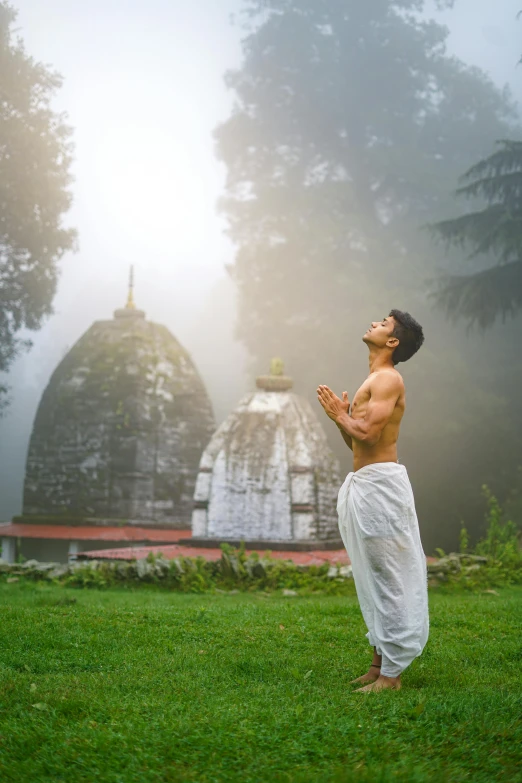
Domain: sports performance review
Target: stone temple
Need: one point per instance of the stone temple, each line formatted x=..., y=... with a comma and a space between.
x=268, y=476
x=118, y=436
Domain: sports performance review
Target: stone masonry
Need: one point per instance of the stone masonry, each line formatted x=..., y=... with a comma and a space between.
x=120, y=429
x=268, y=473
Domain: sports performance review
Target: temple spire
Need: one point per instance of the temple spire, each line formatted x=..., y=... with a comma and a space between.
x=130, y=297
x=130, y=310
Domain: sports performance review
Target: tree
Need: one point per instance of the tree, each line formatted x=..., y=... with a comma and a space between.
x=348, y=126
x=349, y=123
x=494, y=232
x=35, y=158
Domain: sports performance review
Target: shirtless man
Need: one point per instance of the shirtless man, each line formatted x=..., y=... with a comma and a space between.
x=377, y=517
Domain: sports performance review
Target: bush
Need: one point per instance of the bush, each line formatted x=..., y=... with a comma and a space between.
x=501, y=539
x=496, y=559
x=233, y=572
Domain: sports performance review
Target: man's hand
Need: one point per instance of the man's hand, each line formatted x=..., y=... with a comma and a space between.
x=333, y=406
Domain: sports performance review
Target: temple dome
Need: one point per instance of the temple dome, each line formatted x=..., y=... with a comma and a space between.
x=268, y=473
x=120, y=428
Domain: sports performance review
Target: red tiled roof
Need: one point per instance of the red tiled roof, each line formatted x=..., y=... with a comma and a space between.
x=319, y=557
x=169, y=551
x=92, y=533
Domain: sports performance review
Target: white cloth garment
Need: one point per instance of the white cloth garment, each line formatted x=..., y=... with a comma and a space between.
x=379, y=527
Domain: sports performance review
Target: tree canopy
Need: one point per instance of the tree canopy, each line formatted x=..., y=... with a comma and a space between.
x=35, y=159
x=350, y=121
x=349, y=124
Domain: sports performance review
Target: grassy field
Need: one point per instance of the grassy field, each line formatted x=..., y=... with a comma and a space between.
x=132, y=687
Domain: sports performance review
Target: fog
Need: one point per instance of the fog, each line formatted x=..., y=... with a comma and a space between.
x=144, y=91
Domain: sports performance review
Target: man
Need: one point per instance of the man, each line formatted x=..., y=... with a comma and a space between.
x=377, y=517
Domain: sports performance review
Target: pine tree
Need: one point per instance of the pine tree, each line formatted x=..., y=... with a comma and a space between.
x=494, y=232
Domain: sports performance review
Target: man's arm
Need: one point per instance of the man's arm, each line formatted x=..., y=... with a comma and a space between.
x=347, y=438
x=385, y=391
x=340, y=405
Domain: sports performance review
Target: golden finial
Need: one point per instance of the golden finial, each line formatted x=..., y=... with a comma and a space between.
x=277, y=367
x=130, y=298
x=277, y=381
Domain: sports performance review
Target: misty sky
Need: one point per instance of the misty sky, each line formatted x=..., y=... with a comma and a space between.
x=143, y=90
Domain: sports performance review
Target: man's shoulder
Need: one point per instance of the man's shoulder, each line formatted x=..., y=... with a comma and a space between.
x=387, y=380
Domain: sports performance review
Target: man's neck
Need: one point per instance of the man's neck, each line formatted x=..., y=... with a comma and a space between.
x=380, y=360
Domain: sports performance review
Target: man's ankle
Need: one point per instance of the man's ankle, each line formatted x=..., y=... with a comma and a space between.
x=393, y=679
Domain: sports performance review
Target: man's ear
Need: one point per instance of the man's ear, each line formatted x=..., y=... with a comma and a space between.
x=392, y=342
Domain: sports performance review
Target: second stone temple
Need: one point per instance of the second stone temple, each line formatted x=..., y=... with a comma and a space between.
x=268, y=476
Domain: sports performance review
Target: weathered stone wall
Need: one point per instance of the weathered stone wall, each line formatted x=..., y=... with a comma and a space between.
x=268, y=474
x=120, y=428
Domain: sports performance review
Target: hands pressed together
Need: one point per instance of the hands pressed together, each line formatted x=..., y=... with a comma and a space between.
x=332, y=404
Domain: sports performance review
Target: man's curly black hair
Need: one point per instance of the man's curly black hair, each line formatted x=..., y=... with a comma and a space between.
x=409, y=333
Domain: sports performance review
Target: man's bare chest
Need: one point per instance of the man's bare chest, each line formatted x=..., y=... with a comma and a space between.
x=360, y=401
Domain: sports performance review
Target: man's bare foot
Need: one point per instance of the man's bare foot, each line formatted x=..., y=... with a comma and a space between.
x=371, y=676
x=382, y=683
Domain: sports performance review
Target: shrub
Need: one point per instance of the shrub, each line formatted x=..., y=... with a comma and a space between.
x=501, y=539
x=496, y=559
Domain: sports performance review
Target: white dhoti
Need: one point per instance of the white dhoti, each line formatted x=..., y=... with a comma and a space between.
x=379, y=527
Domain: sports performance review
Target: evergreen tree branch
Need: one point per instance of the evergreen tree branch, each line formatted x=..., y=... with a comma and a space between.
x=482, y=297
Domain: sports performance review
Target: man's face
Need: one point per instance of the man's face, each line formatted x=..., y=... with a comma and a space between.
x=379, y=332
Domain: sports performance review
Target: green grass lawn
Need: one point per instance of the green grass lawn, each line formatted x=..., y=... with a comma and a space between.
x=136, y=686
